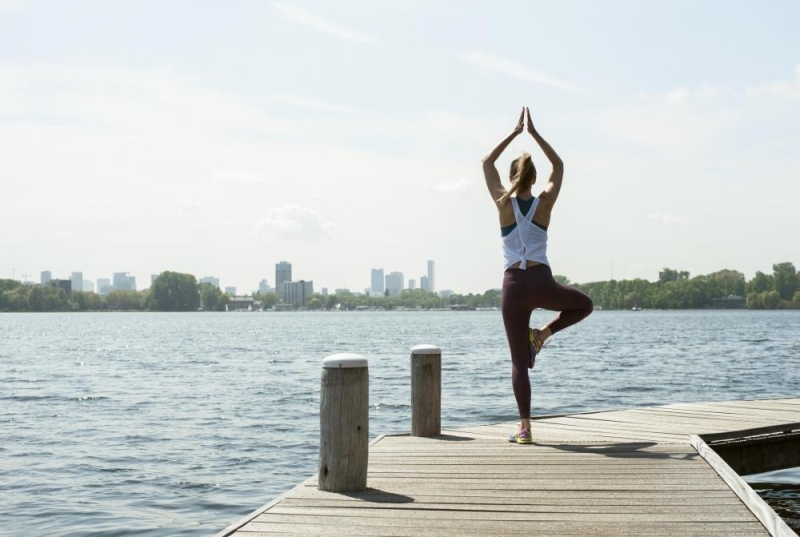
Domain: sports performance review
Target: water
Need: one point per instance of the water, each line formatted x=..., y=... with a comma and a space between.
x=781, y=490
x=179, y=424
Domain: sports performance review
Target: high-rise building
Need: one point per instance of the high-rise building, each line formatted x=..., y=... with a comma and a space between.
x=296, y=293
x=104, y=286
x=230, y=290
x=424, y=284
x=395, y=283
x=263, y=287
x=412, y=284
x=123, y=281
x=431, y=276
x=283, y=273
x=46, y=276
x=66, y=285
x=376, y=286
x=88, y=286
x=77, y=281
x=210, y=279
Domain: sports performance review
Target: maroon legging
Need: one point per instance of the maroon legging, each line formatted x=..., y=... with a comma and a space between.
x=524, y=291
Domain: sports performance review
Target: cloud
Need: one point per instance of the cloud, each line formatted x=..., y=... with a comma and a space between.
x=190, y=203
x=148, y=104
x=453, y=187
x=293, y=223
x=315, y=104
x=516, y=70
x=237, y=176
x=304, y=16
x=681, y=95
x=667, y=218
x=784, y=89
x=13, y=6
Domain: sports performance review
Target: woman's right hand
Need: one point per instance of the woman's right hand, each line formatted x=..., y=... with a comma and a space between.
x=531, y=129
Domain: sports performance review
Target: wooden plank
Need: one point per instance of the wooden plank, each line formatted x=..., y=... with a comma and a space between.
x=605, y=430
x=402, y=494
x=446, y=518
x=320, y=526
x=689, y=422
x=454, y=503
x=716, y=410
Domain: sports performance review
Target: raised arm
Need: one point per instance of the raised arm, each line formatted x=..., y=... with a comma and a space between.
x=493, y=182
x=553, y=186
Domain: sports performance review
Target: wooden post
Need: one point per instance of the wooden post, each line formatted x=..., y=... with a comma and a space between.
x=426, y=390
x=344, y=423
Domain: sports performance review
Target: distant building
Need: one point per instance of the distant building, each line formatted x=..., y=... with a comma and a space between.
x=88, y=286
x=431, y=276
x=377, y=282
x=424, y=284
x=153, y=279
x=104, y=286
x=445, y=293
x=283, y=273
x=412, y=284
x=395, y=283
x=123, y=281
x=66, y=285
x=324, y=291
x=46, y=277
x=210, y=279
x=230, y=290
x=77, y=281
x=342, y=291
x=263, y=287
x=729, y=302
x=296, y=293
x=241, y=303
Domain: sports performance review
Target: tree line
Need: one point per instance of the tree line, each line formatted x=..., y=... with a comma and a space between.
x=677, y=290
x=674, y=289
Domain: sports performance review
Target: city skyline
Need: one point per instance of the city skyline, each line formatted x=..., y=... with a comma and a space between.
x=349, y=136
x=282, y=269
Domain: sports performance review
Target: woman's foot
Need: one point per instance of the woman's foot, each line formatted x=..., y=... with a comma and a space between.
x=535, y=343
x=522, y=437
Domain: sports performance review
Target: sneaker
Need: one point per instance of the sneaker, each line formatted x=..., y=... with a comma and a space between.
x=534, y=345
x=522, y=437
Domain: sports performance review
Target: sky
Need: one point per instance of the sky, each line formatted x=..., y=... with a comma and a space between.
x=219, y=138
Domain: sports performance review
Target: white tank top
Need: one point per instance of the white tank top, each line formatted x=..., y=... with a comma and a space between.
x=526, y=242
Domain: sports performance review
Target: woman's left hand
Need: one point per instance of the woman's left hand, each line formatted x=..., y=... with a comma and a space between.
x=530, y=121
x=521, y=123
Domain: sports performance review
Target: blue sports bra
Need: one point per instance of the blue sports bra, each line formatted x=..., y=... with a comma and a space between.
x=524, y=207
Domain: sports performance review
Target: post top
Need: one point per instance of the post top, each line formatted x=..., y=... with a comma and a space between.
x=426, y=349
x=344, y=359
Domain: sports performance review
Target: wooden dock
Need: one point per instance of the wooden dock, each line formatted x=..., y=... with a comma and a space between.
x=644, y=471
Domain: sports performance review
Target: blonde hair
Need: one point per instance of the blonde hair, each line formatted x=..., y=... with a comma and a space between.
x=523, y=175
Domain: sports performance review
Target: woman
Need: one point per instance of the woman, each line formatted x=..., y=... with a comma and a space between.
x=528, y=281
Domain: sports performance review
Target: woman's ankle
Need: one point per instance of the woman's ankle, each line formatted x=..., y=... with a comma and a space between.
x=545, y=333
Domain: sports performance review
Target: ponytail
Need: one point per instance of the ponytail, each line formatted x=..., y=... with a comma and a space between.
x=523, y=173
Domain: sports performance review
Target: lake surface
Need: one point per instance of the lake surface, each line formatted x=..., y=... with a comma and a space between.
x=156, y=424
